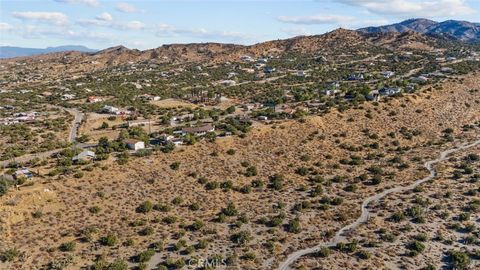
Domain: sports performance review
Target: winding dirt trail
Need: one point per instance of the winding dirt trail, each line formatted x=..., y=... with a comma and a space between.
x=340, y=235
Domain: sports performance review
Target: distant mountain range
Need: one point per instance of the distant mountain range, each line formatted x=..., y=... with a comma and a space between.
x=459, y=30
x=9, y=52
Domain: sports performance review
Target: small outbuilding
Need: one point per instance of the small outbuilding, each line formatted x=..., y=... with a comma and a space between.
x=134, y=144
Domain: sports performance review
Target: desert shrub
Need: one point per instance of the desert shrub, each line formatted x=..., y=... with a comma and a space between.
x=109, y=240
x=147, y=231
x=162, y=207
x=145, y=256
x=230, y=210
x=67, y=247
x=9, y=255
x=293, y=226
x=458, y=259
x=177, y=200
x=251, y=171
x=415, y=248
x=202, y=244
x=324, y=252
x=276, y=181
x=227, y=185
x=197, y=225
x=257, y=183
x=145, y=207
x=128, y=242
x=37, y=214
x=364, y=254
x=169, y=219
x=241, y=238
x=397, y=217
x=175, y=165
x=194, y=206
x=94, y=209
x=249, y=256
x=245, y=189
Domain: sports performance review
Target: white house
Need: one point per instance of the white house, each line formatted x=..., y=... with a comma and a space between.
x=68, y=96
x=262, y=118
x=419, y=79
x=388, y=74
x=110, y=109
x=228, y=82
x=199, y=131
x=134, y=144
x=84, y=156
x=301, y=73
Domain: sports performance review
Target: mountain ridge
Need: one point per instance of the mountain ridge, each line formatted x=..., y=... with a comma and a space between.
x=13, y=51
x=461, y=30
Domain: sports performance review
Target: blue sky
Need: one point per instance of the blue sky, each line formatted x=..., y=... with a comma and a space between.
x=147, y=24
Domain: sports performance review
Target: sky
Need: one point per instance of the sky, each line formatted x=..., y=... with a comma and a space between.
x=145, y=24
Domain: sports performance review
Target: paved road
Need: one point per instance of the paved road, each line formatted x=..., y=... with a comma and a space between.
x=340, y=235
x=78, y=117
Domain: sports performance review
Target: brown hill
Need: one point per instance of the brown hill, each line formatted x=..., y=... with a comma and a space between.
x=333, y=45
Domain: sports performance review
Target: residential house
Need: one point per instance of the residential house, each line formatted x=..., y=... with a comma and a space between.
x=247, y=58
x=199, y=131
x=389, y=91
x=419, y=79
x=373, y=96
x=136, y=123
x=262, y=118
x=447, y=69
x=110, y=109
x=330, y=92
x=356, y=77
x=68, y=96
x=262, y=61
x=411, y=87
x=301, y=73
x=388, y=74
x=84, y=156
x=94, y=99
x=134, y=144
x=228, y=82
x=148, y=97
x=269, y=70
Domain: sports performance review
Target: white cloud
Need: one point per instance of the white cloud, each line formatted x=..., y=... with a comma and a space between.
x=134, y=25
x=105, y=16
x=297, y=31
x=413, y=8
x=5, y=26
x=56, y=18
x=316, y=19
x=91, y=3
x=166, y=30
x=36, y=32
x=127, y=8
x=131, y=25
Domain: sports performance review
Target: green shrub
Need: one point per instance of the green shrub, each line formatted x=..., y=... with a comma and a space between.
x=68, y=247
x=109, y=240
